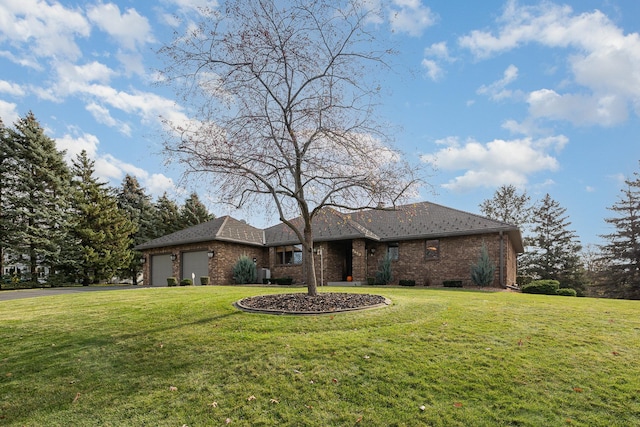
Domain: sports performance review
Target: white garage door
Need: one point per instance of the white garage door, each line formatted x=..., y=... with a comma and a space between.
x=161, y=268
x=196, y=263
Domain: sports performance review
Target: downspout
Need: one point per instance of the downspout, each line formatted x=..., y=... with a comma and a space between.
x=502, y=260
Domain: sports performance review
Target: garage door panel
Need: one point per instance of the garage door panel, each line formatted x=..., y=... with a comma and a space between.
x=161, y=268
x=195, y=263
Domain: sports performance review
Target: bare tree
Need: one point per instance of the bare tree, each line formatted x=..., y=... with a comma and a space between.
x=284, y=95
x=507, y=205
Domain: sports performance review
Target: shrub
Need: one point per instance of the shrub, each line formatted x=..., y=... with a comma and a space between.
x=371, y=281
x=186, y=282
x=452, y=283
x=283, y=281
x=544, y=287
x=384, y=275
x=523, y=280
x=172, y=281
x=204, y=280
x=482, y=272
x=245, y=271
x=566, y=292
x=407, y=282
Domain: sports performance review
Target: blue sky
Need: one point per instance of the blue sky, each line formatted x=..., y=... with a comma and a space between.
x=544, y=95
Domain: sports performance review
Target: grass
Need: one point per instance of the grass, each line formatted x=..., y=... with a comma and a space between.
x=185, y=356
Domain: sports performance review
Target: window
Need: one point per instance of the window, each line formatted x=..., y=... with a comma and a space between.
x=393, y=251
x=289, y=254
x=433, y=249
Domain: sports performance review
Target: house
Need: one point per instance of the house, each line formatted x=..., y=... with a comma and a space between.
x=427, y=242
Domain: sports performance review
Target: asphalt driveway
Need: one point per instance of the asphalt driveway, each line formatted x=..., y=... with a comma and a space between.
x=33, y=293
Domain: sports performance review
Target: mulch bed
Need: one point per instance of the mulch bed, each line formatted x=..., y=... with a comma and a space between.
x=301, y=303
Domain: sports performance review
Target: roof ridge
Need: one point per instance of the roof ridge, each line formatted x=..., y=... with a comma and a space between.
x=224, y=222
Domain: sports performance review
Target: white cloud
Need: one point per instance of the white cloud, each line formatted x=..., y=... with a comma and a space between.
x=8, y=112
x=436, y=52
x=132, y=63
x=102, y=115
x=158, y=183
x=434, y=71
x=495, y=163
x=602, y=60
x=11, y=88
x=498, y=90
x=130, y=29
x=42, y=29
x=579, y=109
x=411, y=17
x=193, y=5
x=109, y=168
x=73, y=145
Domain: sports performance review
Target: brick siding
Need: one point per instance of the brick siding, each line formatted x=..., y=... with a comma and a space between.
x=456, y=255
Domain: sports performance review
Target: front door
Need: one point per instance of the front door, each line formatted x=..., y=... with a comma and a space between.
x=346, y=255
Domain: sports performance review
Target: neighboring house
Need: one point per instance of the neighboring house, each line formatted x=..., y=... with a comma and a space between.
x=428, y=243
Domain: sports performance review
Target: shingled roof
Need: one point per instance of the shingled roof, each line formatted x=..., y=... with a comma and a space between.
x=414, y=221
x=224, y=228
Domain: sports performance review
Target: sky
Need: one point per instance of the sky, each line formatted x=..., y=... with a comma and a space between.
x=542, y=95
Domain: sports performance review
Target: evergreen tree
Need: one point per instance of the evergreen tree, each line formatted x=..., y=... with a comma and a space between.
x=137, y=206
x=555, y=250
x=100, y=231
x=482, y=273
x=194, y=212
x=6, y=183
x=167, y=217
x=507, y=205
x=37, y=202
x=623, y=248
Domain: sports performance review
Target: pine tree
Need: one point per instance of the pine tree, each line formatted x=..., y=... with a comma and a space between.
x=137, y=206
x=167, y=217
x=101, y=231
x=6, y=183
x=623, y=248
x=554, y=250
x=194, y=212
x=37, y=202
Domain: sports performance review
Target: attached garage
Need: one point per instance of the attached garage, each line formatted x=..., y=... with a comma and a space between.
x=161, y=268
x=195, y=265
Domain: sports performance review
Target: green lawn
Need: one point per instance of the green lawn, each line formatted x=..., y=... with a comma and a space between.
x=185, y=356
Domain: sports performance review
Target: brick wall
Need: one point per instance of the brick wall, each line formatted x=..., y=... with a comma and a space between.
x=220, y=266
x=456, y=254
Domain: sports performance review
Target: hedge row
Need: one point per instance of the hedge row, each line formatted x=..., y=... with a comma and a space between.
x=547, y=287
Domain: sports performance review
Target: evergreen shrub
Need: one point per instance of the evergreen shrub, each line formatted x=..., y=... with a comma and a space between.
x=245, y=271
x=567, y=292
x=186, y=282
x=384, y=275
x=172, y=281
x=482, y=272
x=544, y=287
x=407, y=282
x=452, y=283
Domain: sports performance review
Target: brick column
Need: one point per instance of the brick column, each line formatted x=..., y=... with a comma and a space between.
x=359, y=260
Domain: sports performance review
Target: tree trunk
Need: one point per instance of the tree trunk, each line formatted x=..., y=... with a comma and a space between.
x=309, y=264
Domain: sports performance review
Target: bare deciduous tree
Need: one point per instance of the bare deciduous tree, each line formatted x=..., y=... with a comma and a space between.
x=283, y=96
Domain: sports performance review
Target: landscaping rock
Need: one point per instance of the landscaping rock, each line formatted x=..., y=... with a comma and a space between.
x=303, y=303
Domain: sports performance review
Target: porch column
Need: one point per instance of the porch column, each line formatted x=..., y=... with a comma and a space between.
x=359, y=261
